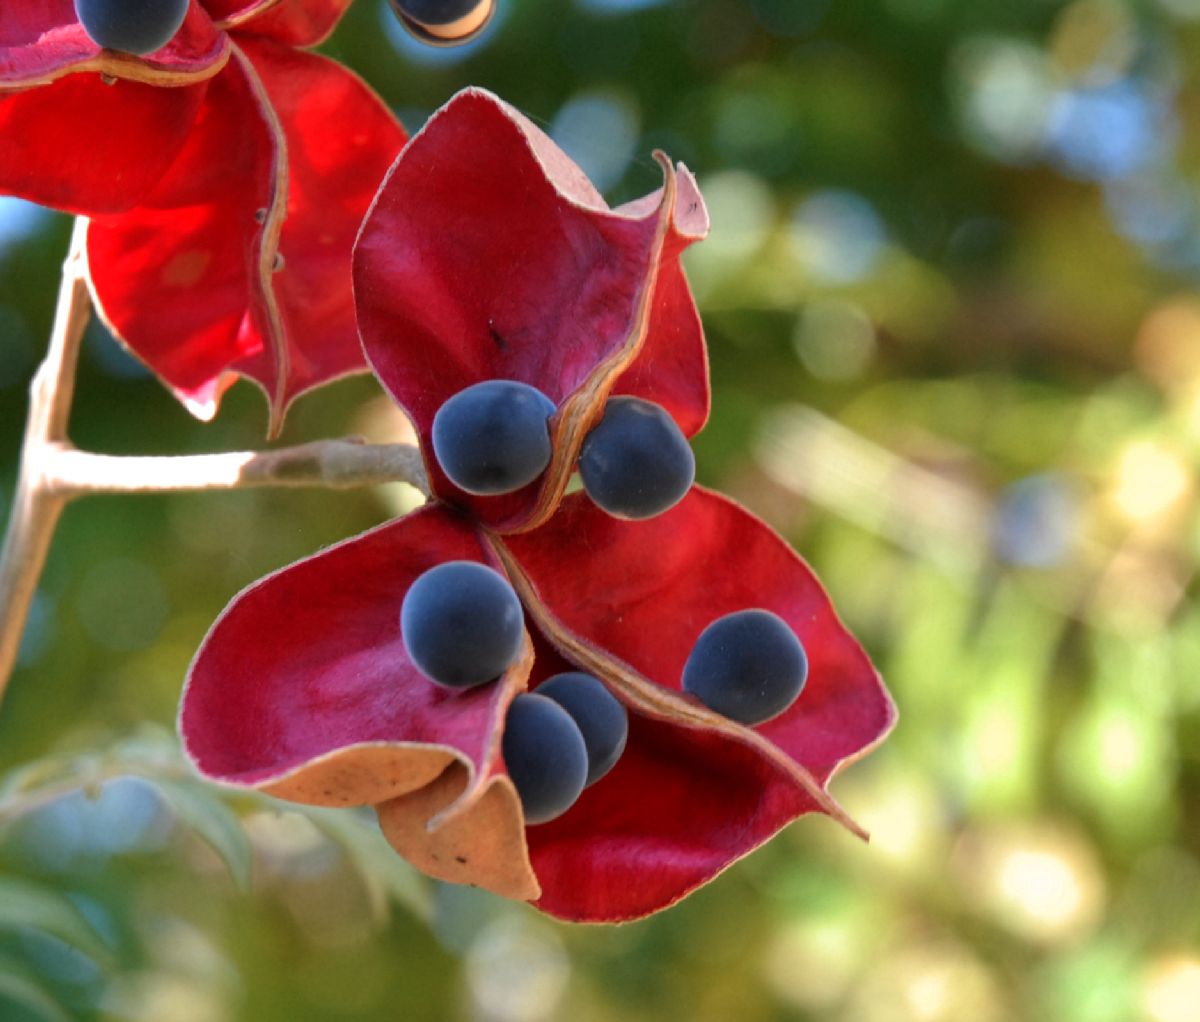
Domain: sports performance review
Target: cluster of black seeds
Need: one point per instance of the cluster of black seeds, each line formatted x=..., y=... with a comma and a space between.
x=561, y=738
x=462, y=625
x=131, y=26
x=494, y=438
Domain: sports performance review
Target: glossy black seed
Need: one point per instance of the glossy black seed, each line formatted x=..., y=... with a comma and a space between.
x=636, y=463
x=602, y=720
x=462, y=624
x=545, y=756
x=132, y=26
x=748, y=666
x=493, y=437
x=444, y=22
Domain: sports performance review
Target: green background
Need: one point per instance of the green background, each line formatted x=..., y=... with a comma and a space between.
x=955, y=342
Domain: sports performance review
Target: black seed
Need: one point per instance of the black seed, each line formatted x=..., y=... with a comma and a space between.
x=131, y=26
x=602, y=720
x=462, y=624
x=636, y=463
x=748, y=666
x=493, y=437
x=545, y=756
x=444, y=22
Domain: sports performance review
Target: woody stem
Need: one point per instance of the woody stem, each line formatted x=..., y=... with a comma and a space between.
x=36, y=507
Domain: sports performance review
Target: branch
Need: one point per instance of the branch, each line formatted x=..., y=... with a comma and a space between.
x=36, y=509
x=333, y=464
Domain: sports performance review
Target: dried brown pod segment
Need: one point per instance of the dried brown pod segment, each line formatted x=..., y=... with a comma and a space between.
x=483, y=844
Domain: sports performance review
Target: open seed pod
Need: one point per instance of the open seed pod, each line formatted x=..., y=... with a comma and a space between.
x=488, y=255
x=303, y=689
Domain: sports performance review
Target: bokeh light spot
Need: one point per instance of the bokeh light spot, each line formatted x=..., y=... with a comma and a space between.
x=834, y=339
x=1172, y=990
x=838, y=236
x=599, y=131
x=1150, y=481
x=517, y=971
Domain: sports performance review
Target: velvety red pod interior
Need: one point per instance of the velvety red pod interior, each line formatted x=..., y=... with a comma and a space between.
x=488, y=255
x=87, y=147
x=42, y=41
x=193, y=247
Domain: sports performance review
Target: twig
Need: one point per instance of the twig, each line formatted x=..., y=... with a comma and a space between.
x=333, y=464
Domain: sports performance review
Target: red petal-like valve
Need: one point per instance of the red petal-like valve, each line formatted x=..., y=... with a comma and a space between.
x=86, y=147
x=489, y=255
x=294, y=22
x=177, y=278
x=307, y=667
x=42, y=41
x=341, y=138
x=239, y=262
x=693, y=792
x=303, y=689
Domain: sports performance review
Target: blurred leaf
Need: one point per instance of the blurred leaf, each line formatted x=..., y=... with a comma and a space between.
x=35, y=774
x=22, y=997
x=387, y=877
x=24, y=904
x=213, y=821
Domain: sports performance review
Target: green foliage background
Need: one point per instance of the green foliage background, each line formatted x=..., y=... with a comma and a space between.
x=955, y=339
